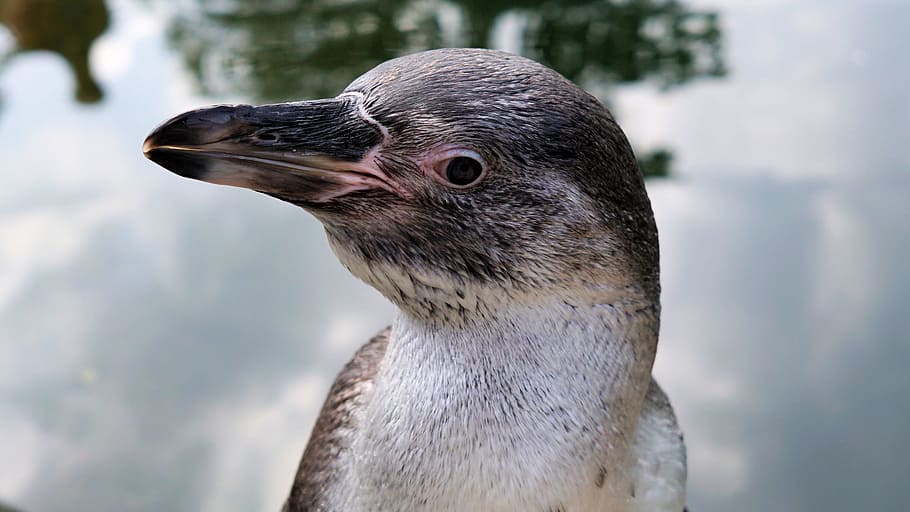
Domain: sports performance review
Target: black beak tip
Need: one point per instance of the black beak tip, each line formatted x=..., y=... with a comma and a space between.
x=173, y=132
x=199, y=127
x=183, y=163
x=150, y=144
x=169, y=144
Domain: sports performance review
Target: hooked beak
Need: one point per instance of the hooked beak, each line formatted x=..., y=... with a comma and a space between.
x=308, y=152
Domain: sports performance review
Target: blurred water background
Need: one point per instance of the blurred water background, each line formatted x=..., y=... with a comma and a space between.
x=165, y=344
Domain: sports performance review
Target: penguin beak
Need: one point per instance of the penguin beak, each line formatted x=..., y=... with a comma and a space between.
x=308, y=152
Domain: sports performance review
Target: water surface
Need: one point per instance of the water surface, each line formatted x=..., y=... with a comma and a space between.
x=165, y=344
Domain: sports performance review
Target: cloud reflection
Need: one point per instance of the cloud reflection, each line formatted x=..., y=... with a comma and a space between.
x=211, y=320
x=791, y=355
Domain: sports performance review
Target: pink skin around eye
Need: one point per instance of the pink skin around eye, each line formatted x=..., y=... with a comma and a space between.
x=433, y=163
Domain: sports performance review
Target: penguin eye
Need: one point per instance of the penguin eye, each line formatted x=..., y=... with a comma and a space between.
x=460, y=168
x=463, y=171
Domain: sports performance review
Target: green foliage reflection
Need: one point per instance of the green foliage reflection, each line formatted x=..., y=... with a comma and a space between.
x=281, y=50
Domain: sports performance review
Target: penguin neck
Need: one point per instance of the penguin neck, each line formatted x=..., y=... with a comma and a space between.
x=551, y=388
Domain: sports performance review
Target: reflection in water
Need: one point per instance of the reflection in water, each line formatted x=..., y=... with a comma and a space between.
x=165, y=345
x=274, y=51
x=610, y=42
x=64, y=27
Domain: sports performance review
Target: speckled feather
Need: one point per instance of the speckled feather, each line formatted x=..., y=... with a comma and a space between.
x=322, y=480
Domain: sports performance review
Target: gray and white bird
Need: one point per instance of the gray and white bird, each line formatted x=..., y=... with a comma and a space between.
x=501, y=209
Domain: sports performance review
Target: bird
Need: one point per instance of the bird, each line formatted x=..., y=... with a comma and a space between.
x=500, y=208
